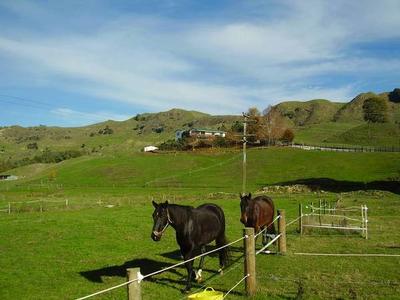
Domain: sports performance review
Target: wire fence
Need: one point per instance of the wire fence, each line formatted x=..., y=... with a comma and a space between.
x=141, y=277
x=18, y=206
x=347, y=148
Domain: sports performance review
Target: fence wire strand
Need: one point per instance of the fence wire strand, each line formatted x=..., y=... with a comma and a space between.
x=140, y=278
x=232, y=288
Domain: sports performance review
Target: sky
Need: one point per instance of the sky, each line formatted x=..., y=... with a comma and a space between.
x=73, y=63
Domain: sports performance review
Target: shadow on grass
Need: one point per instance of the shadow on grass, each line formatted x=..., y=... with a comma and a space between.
x=146, y=266
x=338, y=186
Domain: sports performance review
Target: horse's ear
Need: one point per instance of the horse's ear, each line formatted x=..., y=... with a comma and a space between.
x=155, y=204
x=166, y=202
x=240, y=195
x=250, y=195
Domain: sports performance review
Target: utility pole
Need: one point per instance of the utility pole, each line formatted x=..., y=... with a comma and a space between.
x=245, y=135
x=246, y=117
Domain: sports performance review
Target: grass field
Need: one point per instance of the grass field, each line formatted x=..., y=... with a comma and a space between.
x=349, y=134
x=68, y=252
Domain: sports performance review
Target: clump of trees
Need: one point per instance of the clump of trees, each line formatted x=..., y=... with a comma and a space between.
x=375, y=110
x=32, y=146
x=106, y=130
x=103, y=131
x=267, y=127
x=47, y=156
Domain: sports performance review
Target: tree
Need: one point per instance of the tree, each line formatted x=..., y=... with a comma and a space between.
x=288, y=136
x=32, y=146
x=375, y=110
x=274, y=124
x=255, y=127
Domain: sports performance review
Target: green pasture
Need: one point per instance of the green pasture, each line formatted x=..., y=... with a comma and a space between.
x=349, y=134
x=66, y=252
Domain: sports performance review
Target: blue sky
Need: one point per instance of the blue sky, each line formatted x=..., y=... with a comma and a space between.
x=71, y=63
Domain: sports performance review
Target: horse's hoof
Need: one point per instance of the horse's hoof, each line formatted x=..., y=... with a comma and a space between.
x=221, y=271
x=198, y=275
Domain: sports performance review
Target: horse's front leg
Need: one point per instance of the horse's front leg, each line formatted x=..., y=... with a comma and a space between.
x=199, y=271
x=189, y=267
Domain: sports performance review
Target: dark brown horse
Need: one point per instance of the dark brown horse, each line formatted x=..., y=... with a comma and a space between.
x=258, y=213
x=195, y=228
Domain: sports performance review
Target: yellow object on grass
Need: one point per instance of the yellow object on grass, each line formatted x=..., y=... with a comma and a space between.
x=207, y=294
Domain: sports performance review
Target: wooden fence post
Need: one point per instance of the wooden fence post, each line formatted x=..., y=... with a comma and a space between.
x=250, y=261
x=282, y=232
x=134, y=288
x=366, y=221
x=301, y=218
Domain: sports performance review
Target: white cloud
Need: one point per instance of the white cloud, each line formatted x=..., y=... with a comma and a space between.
x=221, y=66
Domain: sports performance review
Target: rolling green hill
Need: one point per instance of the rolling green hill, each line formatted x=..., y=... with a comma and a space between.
x=330, y=123
x=309, y=112
x=106, y=137
x=314, y=122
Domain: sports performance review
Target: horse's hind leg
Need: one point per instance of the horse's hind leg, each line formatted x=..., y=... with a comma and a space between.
x=223, y=253
x=264, y=236
x=271, y=232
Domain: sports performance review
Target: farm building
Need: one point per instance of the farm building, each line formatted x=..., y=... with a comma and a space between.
x=201, y=133
x=8, y=177
x=150, y=149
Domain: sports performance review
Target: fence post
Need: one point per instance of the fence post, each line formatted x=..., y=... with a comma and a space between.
x=282, y=232
x=134, y=289
x=250, y=261
x=9, y=207
x=300, y=218
x=366, y=221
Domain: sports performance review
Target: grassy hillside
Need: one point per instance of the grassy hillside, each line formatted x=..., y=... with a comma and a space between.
x=349, y=134
x=74, y=251
x=329, y=123
x=309, y=112
x=315, y=122
x=200, y=173
x=106, y=137
x=353, y=111
x=384, y=135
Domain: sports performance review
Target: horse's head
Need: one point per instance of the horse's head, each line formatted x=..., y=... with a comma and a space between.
x=244, y=203
x=161, y=220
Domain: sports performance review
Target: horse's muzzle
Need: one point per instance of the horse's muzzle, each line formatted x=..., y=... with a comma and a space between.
x=156, y=236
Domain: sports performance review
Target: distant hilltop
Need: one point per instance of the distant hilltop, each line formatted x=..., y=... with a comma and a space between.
x=318, y=111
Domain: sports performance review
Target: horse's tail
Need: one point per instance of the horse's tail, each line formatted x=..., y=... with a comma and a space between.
x=224, y=255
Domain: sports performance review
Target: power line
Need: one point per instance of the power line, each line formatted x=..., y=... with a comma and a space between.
x=26, y=100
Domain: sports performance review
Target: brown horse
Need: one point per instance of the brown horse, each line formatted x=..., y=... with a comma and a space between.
x=258, y=213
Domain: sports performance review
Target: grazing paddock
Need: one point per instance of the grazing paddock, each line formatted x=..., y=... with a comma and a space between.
x=68, y=254
x=68, y=251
